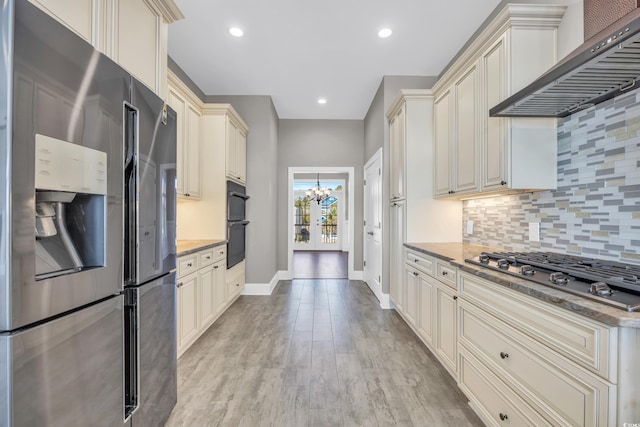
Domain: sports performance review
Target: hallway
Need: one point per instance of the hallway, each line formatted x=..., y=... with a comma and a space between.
x=314, y=353
x=320, y=265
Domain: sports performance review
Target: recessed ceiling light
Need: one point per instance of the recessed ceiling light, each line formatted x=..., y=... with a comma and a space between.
x=236, y=32
x=384, y=33
x=322, y=100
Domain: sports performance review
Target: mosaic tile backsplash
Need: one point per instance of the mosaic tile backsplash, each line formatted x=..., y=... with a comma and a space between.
x=595, y=211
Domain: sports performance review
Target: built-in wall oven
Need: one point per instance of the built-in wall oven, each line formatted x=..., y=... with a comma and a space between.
x=236, y=222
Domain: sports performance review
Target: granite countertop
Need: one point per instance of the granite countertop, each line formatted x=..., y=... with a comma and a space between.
x=456, y=253
x=186, y=247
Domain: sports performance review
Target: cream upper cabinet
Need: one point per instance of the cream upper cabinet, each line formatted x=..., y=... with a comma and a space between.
x=442, y=144
x=467, y=133
x=397, y=162
x=236, y=150
x=131, y=32
x=189, y=137
x=497, y=155
x=81, y=16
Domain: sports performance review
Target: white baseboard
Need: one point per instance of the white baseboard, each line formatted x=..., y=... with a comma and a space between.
x=385, y=301
x=356, y=275
x=285, y=275
x=265, y=288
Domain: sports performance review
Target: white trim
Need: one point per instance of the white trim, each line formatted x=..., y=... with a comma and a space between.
x=261, y=288
x=385, y=302
x=356, y=275
x=351, y=188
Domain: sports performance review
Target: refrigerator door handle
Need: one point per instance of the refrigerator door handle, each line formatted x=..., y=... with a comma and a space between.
x=130, y=193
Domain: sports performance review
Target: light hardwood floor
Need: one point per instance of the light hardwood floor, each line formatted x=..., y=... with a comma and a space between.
x=314, y=353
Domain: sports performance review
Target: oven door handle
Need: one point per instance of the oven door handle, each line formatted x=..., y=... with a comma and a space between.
x=232, y=223
x=236, y=194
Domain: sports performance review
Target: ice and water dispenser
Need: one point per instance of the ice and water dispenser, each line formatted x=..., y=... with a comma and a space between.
x=70, y=214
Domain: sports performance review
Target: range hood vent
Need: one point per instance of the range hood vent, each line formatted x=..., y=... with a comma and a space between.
x=605, y=66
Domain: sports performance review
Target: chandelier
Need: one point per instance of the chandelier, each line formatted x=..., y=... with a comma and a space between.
x=317, y=193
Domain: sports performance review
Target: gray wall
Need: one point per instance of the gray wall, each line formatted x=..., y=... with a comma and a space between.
x=377, y=135
x=262, y=183
x=319, y=143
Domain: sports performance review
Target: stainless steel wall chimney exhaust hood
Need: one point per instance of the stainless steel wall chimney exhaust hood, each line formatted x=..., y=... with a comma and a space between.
x=603, y=67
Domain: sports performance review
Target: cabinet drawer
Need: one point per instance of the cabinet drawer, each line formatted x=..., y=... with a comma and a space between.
x=421, y=262
x=566, y=393
x=446, y=274
x=492, y=400
x=205, y=258
x=588, y=343
x=187, y=264
x=234, y=287
x=219, y=253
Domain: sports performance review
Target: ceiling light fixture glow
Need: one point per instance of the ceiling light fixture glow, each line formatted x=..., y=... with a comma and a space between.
x=236, y=32
x=322, y=100
x=384, y=33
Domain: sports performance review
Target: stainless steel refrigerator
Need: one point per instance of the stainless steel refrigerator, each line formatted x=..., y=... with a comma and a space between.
x=87, y=234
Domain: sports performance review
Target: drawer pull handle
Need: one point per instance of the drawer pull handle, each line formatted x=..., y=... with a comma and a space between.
x=208, y=256
x=215, y=267
x=455, y=297
x=238, y=285
x=503, y=417
x=444, y=273
x=180, y=284
x=415, y=273
x=504, y=355
x=189, y=264
x=415, y=260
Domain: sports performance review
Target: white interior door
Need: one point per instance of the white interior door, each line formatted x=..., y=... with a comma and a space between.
x=317, y=226
x=373, y=224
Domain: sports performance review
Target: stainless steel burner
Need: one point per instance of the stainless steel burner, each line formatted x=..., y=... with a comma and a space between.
x=609, y=282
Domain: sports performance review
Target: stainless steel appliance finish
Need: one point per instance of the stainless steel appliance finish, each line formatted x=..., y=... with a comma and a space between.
x=73, y=297
x=609, y=282
x=605, y=66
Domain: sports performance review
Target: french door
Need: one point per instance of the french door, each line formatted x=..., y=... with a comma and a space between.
x=317, y=226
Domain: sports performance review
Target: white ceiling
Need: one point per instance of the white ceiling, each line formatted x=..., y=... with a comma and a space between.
x=297, y=50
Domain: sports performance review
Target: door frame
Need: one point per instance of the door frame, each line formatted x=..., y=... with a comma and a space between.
x=349, y=170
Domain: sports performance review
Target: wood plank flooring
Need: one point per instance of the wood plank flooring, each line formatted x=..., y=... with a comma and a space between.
x=314, y=353
x=320, y=264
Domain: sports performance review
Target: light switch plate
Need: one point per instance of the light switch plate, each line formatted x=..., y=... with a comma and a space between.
x=469, y=227
x=534, y=231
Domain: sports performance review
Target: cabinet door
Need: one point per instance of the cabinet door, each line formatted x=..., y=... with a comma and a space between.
x=397, y=160
x=232, y=163
x=207, y=309
x=495, y=142
x=193, y=147
x=446, y=324
x=426, y=308
x=219, y=286
x=179, y=104
x=76, y=15
x=396, y=267
x=442, y=144
x=187, y=309
x=410, y=306
x=241, y=155
x=466, y=132
x=137, y=46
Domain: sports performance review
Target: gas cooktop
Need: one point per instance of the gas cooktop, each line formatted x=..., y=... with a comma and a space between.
x=609, y=282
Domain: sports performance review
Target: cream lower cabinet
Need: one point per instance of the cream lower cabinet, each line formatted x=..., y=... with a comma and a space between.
x=202, y=293
x=235, y=281
x=430, y=305
x=531, y=364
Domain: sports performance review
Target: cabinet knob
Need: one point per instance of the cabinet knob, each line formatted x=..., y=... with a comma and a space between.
x=455, y=297
x=414, y=273
x=504, y=355
x=215, y=267
x=238, y=285
x=503, y=417
x=503, y=182
x=444, y=273
x=189, y=264
x=180, y=284
x=208, y=256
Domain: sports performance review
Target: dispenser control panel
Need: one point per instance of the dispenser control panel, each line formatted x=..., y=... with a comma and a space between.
x=64, y=166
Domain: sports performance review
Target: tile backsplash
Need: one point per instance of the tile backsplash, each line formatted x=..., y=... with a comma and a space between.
x=596, y=209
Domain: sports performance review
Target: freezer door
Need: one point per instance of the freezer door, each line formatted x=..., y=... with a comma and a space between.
x=156, y=312
x=156, y=169
x=66, y=372
x=69, y=93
